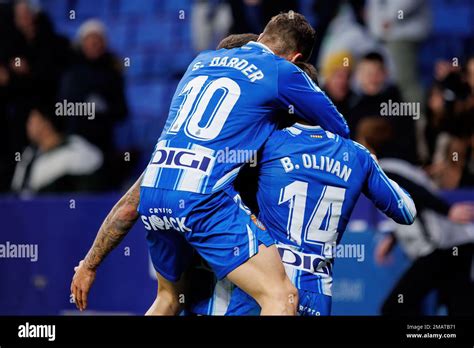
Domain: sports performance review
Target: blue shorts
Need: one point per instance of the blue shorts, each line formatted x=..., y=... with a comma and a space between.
x=310, y=304
x=218, y=226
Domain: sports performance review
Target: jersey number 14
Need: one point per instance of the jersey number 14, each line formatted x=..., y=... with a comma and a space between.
x=321, y=227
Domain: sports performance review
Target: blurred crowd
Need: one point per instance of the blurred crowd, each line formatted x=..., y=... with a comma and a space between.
x=47, y=83
x=366, y=54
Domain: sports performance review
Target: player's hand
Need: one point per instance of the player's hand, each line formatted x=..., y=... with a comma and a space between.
x=462, y=213
x=81, y=284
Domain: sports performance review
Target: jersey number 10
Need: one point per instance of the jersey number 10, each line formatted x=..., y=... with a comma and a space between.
x=197, y=98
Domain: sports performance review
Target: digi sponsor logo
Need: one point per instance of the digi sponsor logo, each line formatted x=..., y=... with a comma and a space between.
x=182, y=159
x=315, y=263
x=307, y=262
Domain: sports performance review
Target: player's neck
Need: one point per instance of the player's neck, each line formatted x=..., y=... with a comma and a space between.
x=303, y=122
x=267, y=45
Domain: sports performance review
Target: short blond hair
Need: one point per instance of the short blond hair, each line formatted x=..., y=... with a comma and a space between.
x=336, y=61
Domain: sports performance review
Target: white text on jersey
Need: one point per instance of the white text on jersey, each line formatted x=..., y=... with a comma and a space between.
x=324, y=163
x=250, y=70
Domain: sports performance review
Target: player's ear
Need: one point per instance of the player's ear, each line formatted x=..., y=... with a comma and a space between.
x=296, y=57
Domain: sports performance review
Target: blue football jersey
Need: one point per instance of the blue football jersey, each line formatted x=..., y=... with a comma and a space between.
x=309, y=182
x=222, y=112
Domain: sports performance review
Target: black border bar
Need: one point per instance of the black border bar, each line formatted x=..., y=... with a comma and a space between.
x=139, y=331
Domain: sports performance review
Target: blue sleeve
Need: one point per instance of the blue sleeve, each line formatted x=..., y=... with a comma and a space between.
x=385, y=193
x=296, y=89
x=271, y=148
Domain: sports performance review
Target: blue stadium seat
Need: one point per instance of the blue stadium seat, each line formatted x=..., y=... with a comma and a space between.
x=453, y=17
x=87, y=9
x=120, y=35
x=69, y=29
x=139, y=66
x=146, y=131
x=159, y=45
x=176, y=5
x=145, y=99
x=163, y=63
x=181, y=60
x=155, y=32
x=136, y=7
x=149, y=104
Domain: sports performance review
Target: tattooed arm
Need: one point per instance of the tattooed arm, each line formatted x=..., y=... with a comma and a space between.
x=115, y=227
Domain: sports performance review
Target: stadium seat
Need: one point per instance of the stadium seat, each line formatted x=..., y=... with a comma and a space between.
x=120, y=35
x=150, y=32
x=453, y=17
x=137, y=8
x=87, y=9
x=155, y=32
x=138, y=66
x=145, y=98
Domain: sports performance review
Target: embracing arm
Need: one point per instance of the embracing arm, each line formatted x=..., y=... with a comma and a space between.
x=296, y=89
x=115, y=227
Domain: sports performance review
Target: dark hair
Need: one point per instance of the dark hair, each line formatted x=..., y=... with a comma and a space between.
x=47, y=112
x=290, y=32
x=309, y=69
x=374, y=57
x=236, y=40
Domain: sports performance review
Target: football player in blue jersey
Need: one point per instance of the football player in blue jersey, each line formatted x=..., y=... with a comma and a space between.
x=225, y=105
x=313, y=282
x=309, y=181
